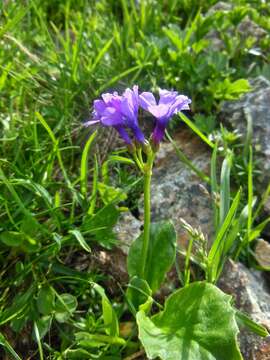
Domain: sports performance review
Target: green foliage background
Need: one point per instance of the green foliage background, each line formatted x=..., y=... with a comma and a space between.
x=55, y=205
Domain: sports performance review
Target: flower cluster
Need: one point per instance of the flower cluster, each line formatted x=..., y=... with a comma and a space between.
x=121, y=112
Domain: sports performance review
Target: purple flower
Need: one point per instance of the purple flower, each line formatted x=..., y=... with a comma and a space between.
x=120, y=112
x=170, y=103
x=107, y=112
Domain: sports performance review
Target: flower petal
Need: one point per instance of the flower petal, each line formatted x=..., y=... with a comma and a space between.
x=138, y=134
x=182, y=103
x=147, y=99
x=167, y=97
x=91, y=122
x=158, y=132
x=107, y=97
x=127, y=109
x=111, y=117
x=123, y=134
x=159, y=111
x=113, y=100
x=99, y=107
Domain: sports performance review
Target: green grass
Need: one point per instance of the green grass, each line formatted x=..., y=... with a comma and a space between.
x=56, y=205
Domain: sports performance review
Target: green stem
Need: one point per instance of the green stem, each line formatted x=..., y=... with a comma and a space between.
x=138, y=160
x=147, y=210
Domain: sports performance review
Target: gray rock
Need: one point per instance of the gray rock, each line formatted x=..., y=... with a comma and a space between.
x=248, y=28
x=256, y=105
x=175, y=192
x=249, y=289
x=127, y=229
x=220, y=6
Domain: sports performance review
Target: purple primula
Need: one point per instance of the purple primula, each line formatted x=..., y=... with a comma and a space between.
x=120, y=112
x=170, y=103
x=107, y=112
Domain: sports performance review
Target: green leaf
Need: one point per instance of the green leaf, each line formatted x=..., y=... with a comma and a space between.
x=245, y=320
x=65, y=306
x=89, y=341
x=43, y=325
x=256, y=232
x=239, y=87
x=121, y=159
x=206, y=124
x=11, y=238
x=78, y=235
x=225, y=188
x=161, y=254
x=20, y=306
x=227, y=90
x=214, y=185
x=84, y=163
x=198, y=323
x=138, y=292
x=93, y=197
x=45, y=300
x=101, y=53
x=109, y=315
x=77, y=354
x=8, y=347
x=38, y=340
x=197, y=131
x=217, y=250
x=101, y=225
x=104, y=218
x=111, y=194
x=182, y=157
x=175, y=38
x=29, y=226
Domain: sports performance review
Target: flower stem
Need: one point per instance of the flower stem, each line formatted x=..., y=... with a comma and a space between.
x=147, y=210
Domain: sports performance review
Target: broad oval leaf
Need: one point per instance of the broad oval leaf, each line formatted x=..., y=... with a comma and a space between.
x=45, y=300
x=161, y=254
x=101, y=225
x=11, y=238
x=109, y=315
x=198, y=323
x=65, y=306
x=138, y=292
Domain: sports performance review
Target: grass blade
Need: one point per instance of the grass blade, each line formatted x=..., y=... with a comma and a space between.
x=93, y=197
x=101, y=53
x=186, y=161
x=214, y=186
x=250, y=192
x=245, y=320
x=225, y=188
x=84, y=163
x=197, y=131
x=8, y=347
x=57, y=150
x=40, y=350
x=215, y=254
